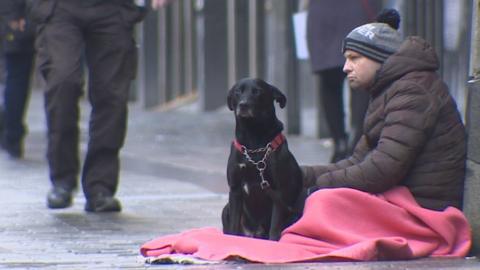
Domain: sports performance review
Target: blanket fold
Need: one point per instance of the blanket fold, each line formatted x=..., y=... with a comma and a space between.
x=337, y=224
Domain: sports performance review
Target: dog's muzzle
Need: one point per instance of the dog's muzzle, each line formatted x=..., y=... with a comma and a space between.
x=244, y=110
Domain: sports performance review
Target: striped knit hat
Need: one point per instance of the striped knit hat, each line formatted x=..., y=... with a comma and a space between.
x=377, y=40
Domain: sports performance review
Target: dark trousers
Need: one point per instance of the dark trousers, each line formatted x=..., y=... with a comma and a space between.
x=102, y=39
x=331, y=91
x=17, y=85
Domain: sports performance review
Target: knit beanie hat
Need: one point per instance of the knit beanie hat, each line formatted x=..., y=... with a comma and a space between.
x=377, y=40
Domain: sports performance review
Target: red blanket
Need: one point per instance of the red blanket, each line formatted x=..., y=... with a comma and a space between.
x=338, y=224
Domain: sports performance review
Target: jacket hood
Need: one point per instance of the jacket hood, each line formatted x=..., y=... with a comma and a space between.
x=415, y=54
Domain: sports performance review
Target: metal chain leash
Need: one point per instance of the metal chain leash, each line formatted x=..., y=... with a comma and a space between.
x=258, y=150
x=261, y=165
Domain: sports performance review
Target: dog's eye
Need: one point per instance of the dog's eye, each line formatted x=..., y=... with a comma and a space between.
x=255, y=91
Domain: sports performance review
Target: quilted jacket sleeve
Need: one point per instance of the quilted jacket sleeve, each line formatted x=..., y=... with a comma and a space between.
x=410, y=112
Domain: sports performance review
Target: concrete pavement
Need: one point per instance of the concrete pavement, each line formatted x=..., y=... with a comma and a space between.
x=172, y=179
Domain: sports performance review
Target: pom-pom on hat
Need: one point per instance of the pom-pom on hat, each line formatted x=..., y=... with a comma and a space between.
x=377, y=40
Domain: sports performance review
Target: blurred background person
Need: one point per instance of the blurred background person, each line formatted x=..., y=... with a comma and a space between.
x=156, y=4
x=328, y=22
x=18, y=52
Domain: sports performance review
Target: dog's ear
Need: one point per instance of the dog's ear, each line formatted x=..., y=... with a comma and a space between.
x=279, y=96
x=230, y=99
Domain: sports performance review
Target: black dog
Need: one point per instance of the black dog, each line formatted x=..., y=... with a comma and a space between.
x=264, y=178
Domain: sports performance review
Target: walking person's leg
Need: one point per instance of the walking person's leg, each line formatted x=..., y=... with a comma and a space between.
x=358, y=107
x=110, y=52
x=60, y=47
x=331, y=90
x=17, y=88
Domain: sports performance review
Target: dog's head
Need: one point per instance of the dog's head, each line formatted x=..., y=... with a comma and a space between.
x=249, y=98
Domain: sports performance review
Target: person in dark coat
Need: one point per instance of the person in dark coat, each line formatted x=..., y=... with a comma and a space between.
x=413, y=134
x=329, y=21
x=98, y=33
x=18, y=52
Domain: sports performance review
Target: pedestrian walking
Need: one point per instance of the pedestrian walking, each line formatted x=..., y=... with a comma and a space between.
x=328, y=22
x=18, y=53
x=98, y=33
x=156, y=4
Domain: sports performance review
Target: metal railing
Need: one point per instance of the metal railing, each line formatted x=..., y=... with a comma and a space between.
x=196, y=49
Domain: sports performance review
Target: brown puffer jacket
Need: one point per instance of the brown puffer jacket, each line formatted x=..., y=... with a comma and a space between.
x=413, y=135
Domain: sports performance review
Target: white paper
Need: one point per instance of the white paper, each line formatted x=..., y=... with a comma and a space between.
x=184, y=259
x=140, y=3
x=300, y=33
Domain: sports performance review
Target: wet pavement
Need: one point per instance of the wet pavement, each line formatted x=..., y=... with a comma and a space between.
x=172, y=179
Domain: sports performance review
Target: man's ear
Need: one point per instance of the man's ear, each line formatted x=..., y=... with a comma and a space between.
x=279, y=96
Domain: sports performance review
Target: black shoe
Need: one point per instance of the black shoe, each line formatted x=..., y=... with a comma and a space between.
x=58, y=198
x=340, y=151
x=103, y=203
x=15, y=150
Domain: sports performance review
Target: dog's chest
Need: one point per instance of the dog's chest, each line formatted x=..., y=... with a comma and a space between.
x=253, y=177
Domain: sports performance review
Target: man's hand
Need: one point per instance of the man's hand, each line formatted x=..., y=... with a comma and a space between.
x=156, y=4
x=17, y=25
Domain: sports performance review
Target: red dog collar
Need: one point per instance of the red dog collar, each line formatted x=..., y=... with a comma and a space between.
x=274, y=144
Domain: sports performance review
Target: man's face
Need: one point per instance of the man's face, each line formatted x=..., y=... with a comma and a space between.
x=360, y=70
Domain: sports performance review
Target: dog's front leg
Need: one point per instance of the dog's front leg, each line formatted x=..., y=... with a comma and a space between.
x=277, y=222
x=235, y=213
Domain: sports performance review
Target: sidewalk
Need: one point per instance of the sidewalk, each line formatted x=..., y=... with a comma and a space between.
x=172, y=179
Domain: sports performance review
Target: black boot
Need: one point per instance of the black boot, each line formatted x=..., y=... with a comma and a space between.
x=14, y=149
x=59, y=198
x=103, y=203
x=340, y=150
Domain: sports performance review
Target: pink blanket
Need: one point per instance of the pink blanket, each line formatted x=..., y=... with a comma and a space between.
x=338, y=224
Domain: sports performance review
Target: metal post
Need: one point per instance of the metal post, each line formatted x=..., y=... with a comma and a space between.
x=237, y=24
x=231, y=42
x=280, y=57
x=150, y=70
x=241, y=37
x=176, y=52
x=256, y=38
x=188, y=54
x=437, y=28
x=293, y=92
x=472, y=181
x=212, y=53
x=475, y=50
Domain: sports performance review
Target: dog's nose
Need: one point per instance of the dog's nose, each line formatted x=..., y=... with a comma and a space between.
x=242, y=105
x=244, y=109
